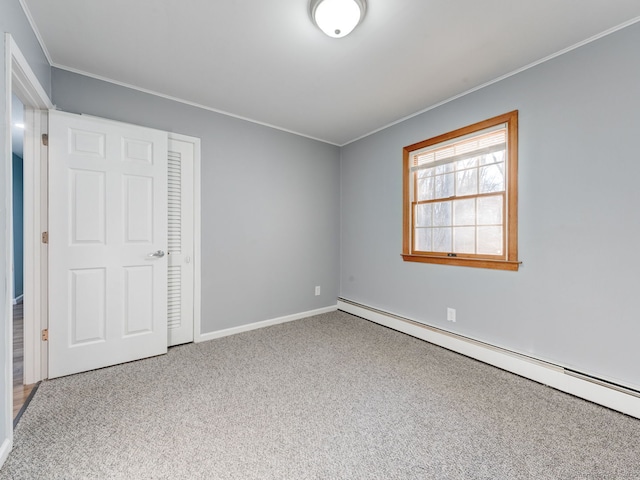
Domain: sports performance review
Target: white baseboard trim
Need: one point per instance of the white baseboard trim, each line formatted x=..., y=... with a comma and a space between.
x=203, y=337
x=546, y=373
x=18, y=299
x=5, y=450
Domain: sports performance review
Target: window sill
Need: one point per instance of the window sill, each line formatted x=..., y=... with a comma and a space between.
x=509, y=265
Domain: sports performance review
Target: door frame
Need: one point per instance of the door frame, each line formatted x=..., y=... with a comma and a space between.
x=35, y=251
x=37, y=103
x=20, y=80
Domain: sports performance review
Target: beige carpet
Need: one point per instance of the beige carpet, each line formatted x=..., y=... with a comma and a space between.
x=328, y=397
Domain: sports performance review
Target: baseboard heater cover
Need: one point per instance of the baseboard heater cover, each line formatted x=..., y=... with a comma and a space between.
x=600, y=391
x=604, y=383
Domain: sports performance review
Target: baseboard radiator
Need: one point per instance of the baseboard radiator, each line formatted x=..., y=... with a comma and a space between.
x=597, y=390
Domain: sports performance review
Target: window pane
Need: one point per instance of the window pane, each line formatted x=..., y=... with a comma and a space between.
x=467, y=163
x=444, y=186
x=464, y=239
x=490, y=240
x=423, y=239
x=492, y=158
x=492, y=178
x=426, y=172
x=425, y=189
x=490, y=210
x=464, y=212
x=442, y=214
x=423, y=215
x=446, y=168
x=442, y=240
x=467, y=182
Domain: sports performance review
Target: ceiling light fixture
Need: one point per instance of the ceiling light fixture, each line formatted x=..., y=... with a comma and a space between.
x=337, y=18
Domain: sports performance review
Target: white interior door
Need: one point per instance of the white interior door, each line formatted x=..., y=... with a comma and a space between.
x=180, y=311
x=107, y=238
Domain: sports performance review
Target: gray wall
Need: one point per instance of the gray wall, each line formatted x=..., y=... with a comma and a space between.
x=575, y=300
x=12, y=20
x=270, y=203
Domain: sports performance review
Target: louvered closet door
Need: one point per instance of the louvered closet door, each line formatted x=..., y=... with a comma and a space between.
x=180, y=251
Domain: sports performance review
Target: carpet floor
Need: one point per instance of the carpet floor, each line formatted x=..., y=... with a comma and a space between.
x=327, y=397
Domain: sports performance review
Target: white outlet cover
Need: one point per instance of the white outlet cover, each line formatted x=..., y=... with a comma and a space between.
x=451, y=314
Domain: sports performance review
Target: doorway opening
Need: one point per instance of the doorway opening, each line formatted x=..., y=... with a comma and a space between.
x=21, y=391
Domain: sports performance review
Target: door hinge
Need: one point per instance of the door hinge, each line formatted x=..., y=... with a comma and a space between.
x=45, y=237
x=45, y=335
x=45, y=139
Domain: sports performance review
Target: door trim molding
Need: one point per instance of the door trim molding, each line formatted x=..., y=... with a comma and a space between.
x=27, y=88
x=24, y=82
x=19, y=79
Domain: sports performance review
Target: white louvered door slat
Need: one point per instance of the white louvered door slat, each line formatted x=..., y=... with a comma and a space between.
x=174, y=207
x=175, y=202
x=174, y=303
x=180, y=163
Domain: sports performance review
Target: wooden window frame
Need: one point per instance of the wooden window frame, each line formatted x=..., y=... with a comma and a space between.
x=509, y=259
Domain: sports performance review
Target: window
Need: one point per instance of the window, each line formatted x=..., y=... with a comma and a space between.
x=461, y=196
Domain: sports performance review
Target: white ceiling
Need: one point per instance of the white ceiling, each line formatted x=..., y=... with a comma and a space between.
x=265, y=60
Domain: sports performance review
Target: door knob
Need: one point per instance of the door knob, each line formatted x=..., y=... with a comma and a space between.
x=156, y=254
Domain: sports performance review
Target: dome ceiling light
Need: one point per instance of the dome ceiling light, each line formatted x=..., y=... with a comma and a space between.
x=337, y=18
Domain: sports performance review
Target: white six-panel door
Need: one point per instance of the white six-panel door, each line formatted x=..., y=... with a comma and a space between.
x=107, y=243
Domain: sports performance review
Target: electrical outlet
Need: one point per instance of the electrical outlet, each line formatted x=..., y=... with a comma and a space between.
x=451, y=314
x=317, y=290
